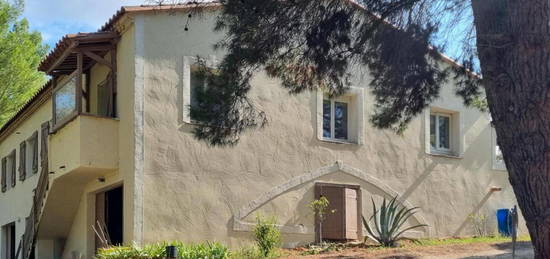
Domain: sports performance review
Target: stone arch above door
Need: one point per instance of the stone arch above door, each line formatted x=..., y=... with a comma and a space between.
x=240, y=225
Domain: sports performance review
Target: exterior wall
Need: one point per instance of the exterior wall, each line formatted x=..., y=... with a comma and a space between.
x=16, y=203
x=178, y=188
x=81, y=239
x=78, y=187
x=196, y=192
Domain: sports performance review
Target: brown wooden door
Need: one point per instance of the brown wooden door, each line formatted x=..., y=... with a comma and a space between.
x=344, y=223
x=333, y=227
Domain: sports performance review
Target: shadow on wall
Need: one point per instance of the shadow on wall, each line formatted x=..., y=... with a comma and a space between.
x=474, y=211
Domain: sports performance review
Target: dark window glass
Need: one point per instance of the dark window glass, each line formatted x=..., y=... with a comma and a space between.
x=444, y=132
x=340, y=120
x=432, y=131
x=326, y=119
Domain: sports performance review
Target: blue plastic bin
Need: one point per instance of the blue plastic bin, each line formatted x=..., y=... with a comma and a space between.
x=504, y=221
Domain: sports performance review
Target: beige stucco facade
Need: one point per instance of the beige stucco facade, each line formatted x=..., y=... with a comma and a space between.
x=196, y=192
x=178, y=188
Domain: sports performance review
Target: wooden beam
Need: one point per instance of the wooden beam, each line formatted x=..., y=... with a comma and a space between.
x=62, y=58
x=98, y=59
x=95, y=36
x=94, y=47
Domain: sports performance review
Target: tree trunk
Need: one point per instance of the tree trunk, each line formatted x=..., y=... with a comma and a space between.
x=513, y=41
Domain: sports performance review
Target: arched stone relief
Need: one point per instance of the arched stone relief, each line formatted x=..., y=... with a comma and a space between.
x=240, y=225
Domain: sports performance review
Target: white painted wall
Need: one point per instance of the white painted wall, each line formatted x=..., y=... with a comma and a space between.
x=16, y=203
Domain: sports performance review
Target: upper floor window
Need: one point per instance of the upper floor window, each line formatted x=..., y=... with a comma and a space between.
x=31, y=155
x=106, y=98
x=443, y=132
x=341, y=119
x=440, y=132
x=198, y=85
x=194, y=82
x=498, y=158
x=9, y=177
x=335, y=119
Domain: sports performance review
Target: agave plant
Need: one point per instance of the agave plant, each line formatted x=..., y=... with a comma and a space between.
x=389, y=221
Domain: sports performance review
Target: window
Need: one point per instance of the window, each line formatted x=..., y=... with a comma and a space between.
x=198, y=85
x=22, y=161
x=443, y=132
x=106, y=98
x=9, y=177
x=194, y=83
x=65, y=100
x=341, y=119
x=498, y=159
x=440, y=132
x=11, y=169
x=335, y=120
x=31, y=155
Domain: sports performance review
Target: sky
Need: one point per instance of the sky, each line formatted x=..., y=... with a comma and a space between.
x=55, y=18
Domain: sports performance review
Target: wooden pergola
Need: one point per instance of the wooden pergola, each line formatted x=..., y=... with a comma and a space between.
x=74, y=56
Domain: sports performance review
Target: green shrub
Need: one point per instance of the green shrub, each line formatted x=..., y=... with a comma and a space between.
x=158, y=251
x=267, y=235
x=389, y=221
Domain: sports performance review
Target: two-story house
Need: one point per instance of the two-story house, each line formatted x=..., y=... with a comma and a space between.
x=107, y=146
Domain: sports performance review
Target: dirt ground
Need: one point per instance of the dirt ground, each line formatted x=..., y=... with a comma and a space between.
x=455, y=251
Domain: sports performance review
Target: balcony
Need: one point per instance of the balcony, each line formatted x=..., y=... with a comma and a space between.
x=87, y=144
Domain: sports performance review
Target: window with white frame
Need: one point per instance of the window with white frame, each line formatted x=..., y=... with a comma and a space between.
x=341, y=119
x=335, y=119
x=498, y=159
x=198, y=85
x=440, y=132
x=194, y=82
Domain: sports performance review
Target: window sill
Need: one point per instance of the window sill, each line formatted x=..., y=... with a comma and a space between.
x=337, y=141
x=445, y=155
x=194, y=123
x=499, y=168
